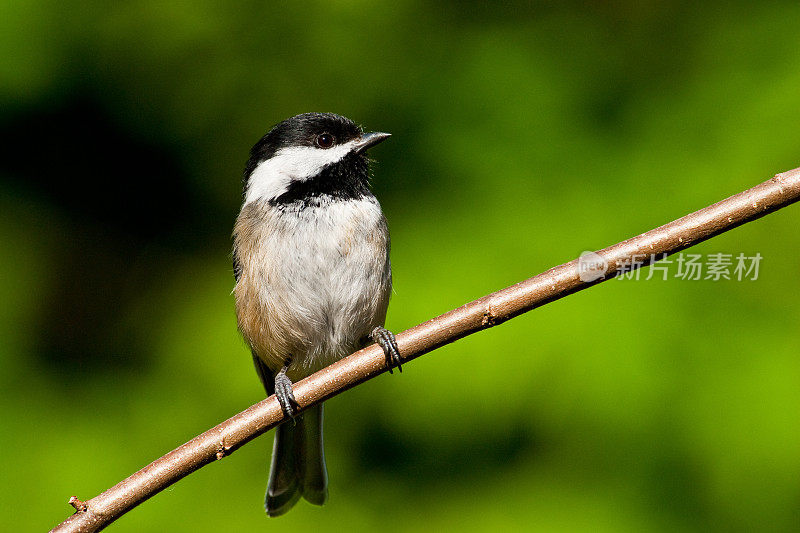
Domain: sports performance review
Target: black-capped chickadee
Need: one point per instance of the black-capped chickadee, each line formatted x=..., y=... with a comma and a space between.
x=313, y=278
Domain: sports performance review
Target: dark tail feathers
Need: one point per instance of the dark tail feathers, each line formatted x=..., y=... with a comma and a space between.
x=298, y=464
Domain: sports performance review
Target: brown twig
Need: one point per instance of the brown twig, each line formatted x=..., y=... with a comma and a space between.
x=77, y=504
x=493, y=309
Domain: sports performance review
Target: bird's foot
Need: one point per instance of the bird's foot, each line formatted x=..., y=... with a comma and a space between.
x=388, y=343
x=284, y=394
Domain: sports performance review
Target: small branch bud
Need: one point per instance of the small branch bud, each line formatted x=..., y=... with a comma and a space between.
x=79, y=505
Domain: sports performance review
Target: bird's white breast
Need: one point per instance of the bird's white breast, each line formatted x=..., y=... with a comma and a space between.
x=314, y=280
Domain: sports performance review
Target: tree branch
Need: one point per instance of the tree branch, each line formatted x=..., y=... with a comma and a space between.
x=493, y=309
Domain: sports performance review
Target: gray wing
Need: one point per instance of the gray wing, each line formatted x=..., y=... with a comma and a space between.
x=237, y=266
x=266, y=375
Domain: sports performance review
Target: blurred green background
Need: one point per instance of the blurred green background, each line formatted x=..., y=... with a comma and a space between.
x=523, y=135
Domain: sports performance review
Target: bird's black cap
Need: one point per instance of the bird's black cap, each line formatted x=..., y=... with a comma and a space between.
x=301, y=130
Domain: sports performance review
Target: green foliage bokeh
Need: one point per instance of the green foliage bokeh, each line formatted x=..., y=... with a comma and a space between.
x=522, y=136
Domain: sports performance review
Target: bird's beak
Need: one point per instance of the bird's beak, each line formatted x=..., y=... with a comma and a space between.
x=370, y=139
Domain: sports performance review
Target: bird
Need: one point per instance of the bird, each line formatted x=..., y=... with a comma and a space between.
x=312, y=278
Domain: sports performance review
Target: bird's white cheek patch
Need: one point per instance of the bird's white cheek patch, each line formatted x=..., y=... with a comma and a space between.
x=272, y=177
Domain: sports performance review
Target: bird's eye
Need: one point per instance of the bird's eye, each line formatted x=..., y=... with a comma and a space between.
x=326, y=140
